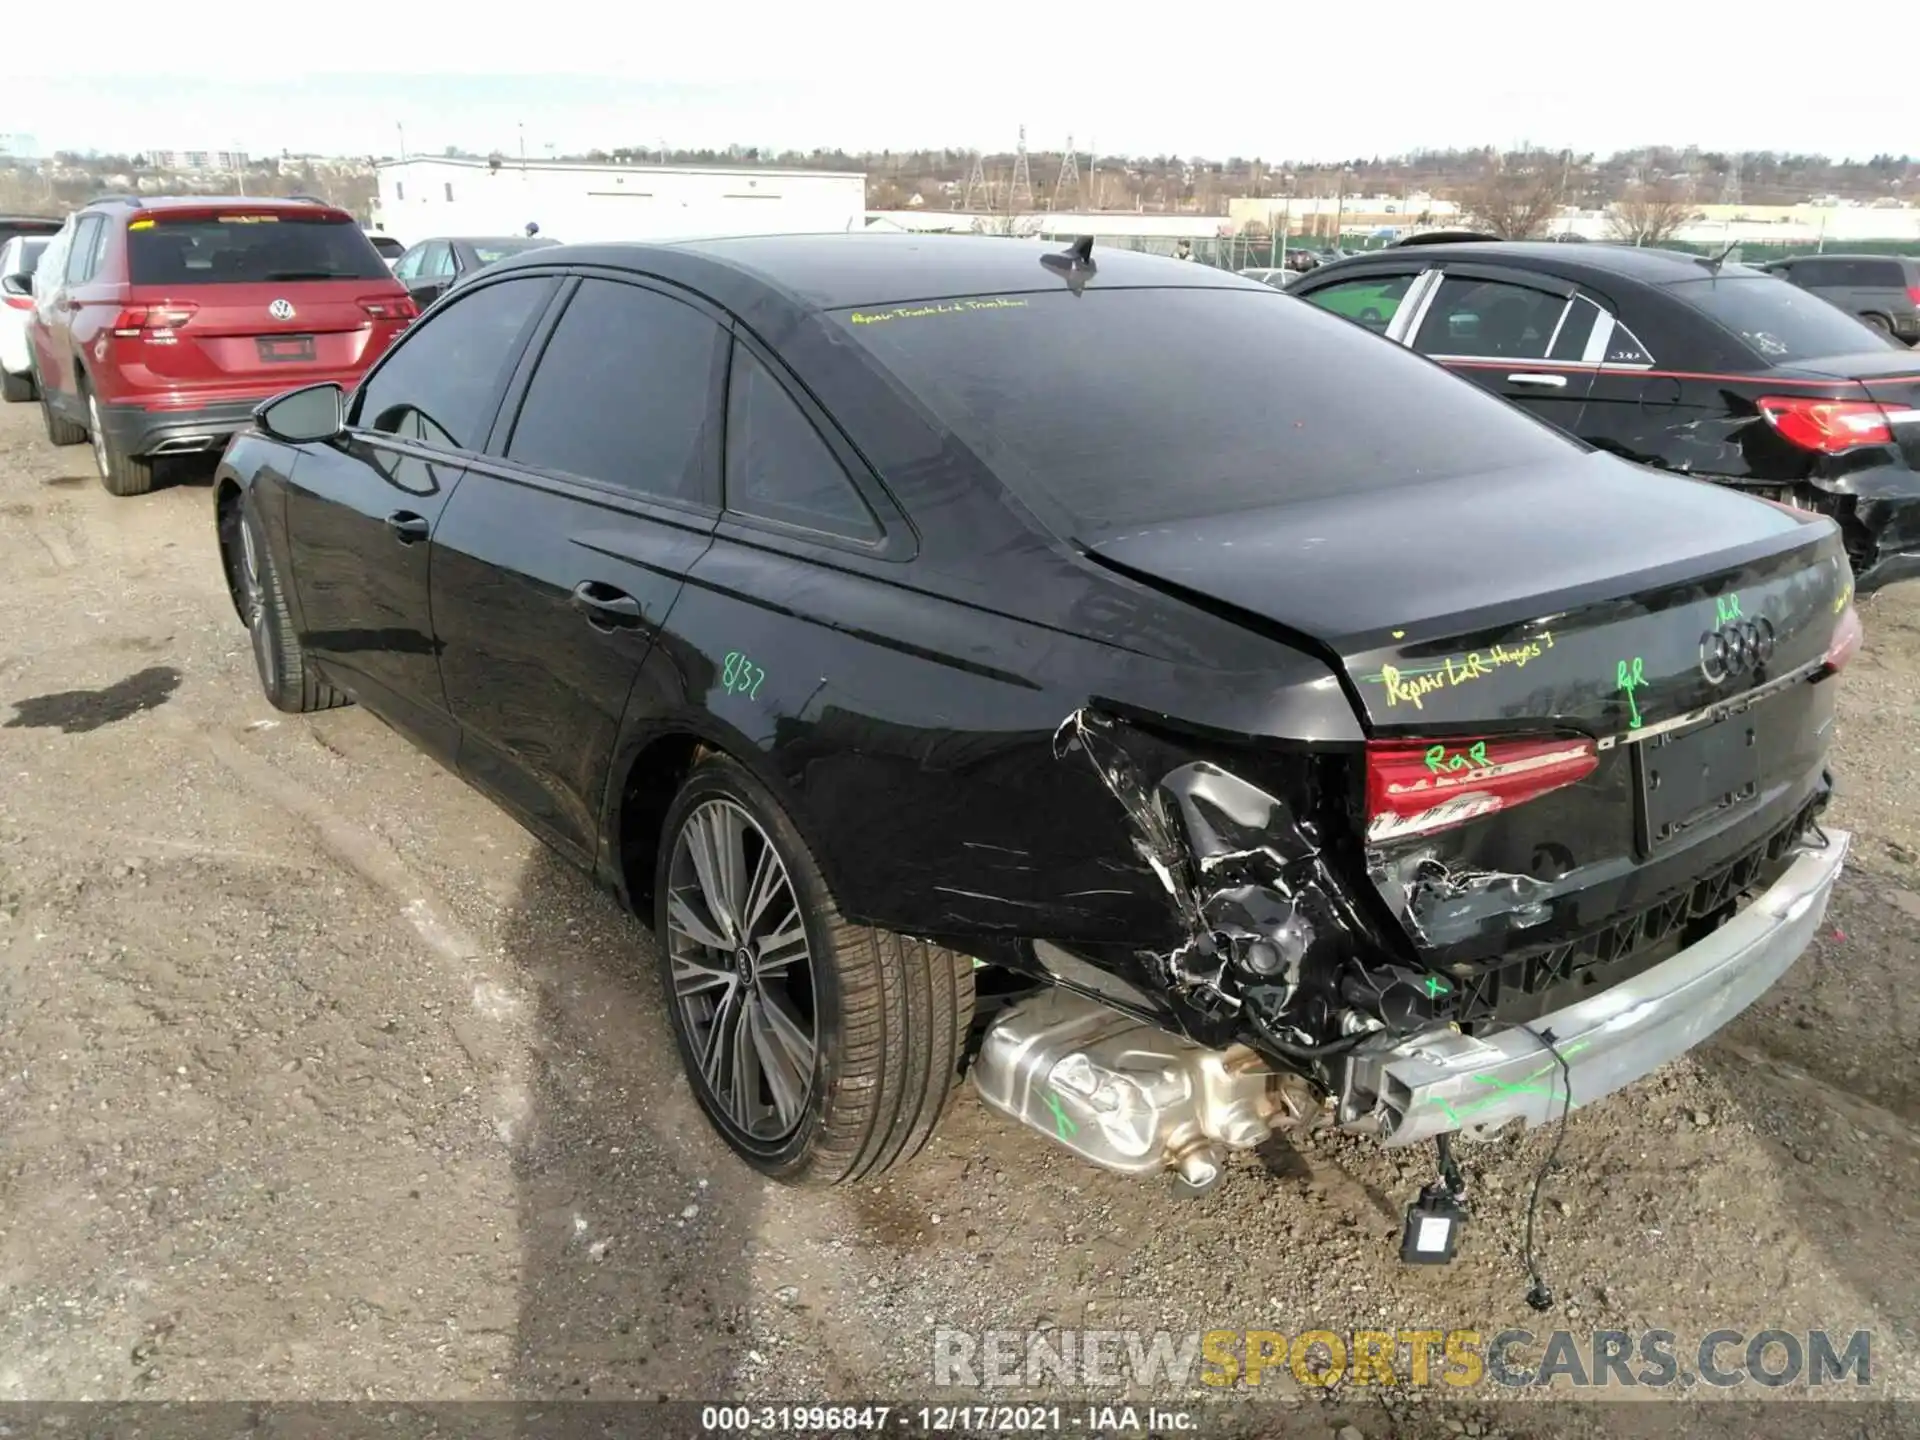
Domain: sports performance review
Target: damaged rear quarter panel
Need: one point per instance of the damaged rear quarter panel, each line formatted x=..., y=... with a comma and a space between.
x=914, y=737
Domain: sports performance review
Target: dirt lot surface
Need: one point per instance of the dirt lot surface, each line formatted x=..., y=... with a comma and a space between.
x=320, y=1078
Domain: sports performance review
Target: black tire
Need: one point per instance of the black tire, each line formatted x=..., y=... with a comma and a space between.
x=889, y=1014
x=60, y=430
x=15, y=389
x=120, y=473
x=1880, y=323
x=286, y=677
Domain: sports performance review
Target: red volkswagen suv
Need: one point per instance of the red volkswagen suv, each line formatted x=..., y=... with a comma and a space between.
x=160, y=323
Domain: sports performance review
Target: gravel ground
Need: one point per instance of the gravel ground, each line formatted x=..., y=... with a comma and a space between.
x=320, y=1079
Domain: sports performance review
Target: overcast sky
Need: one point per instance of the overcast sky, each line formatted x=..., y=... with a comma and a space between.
x=1128, y=78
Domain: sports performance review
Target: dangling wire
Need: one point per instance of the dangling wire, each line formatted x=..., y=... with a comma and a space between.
x=1539, y=1293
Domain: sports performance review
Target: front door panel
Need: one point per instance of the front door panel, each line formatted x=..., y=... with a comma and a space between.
x=360, y=519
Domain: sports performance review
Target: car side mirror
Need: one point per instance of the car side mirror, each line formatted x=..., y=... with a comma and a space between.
x=21, y=285
x=314, y=412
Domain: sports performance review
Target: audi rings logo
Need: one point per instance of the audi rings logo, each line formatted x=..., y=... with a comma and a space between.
x=1735, y=649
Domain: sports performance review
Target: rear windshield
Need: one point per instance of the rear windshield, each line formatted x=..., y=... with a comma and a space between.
x=1780, y=323
x=492, y=250
x=1127, y=407
x=243, y=249
x=30, y=253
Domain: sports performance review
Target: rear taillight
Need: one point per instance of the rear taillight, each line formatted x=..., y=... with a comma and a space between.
x=1913, y=295
x=1847, y=637
x=18, y=302
x=390, y=307
x=1415, y=787
x=1828, y=427
x=153, y=322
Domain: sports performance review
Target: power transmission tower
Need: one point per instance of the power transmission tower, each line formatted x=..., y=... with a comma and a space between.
x=1730, y=192
x=976, y=184
x=1068, y=185
x=1022, y=178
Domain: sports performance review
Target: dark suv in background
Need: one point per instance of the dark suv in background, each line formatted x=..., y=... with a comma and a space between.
x=160, y=323
x=1883, y=290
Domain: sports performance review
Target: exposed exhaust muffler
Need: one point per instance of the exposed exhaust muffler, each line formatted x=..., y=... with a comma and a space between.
x=1127, y=1095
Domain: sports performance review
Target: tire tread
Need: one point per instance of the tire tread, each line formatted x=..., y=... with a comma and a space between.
x=301, y=691
x=906, y=1006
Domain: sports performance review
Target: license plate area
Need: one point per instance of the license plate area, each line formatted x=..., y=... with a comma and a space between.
x=282, y=349
x=1691, y=776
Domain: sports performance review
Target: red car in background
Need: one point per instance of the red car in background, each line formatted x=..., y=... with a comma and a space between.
x=159, y=324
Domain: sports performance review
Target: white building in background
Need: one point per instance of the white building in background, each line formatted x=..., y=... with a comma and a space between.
x=198, y=162
x=419, y=199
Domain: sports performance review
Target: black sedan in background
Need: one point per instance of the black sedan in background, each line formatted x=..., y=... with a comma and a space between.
x=934, y=635
x=432, y=267
x=1713, y=370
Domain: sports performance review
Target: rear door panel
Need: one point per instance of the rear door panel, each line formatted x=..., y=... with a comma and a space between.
x=566, y=552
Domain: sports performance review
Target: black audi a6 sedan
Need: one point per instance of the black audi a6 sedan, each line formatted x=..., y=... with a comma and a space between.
x=1064, y=670
x=1713, y=370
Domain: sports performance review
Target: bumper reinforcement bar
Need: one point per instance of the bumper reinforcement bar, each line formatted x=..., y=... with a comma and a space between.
x=1443, y=1081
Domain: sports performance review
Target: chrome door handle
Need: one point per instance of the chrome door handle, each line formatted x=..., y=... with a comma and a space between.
x=1550, y=382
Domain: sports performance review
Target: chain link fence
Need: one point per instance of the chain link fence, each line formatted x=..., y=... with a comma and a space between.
x=1242, y=252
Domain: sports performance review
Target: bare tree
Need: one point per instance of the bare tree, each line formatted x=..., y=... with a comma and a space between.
x=1650, y=214
x=1021, y=227
x=1516, y=200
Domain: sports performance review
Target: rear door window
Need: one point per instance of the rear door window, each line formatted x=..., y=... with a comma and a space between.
x=1872, y=274
x=624, y=394
x=1123, y=407
x=242, y=248
x=1576, y=328
x=1474, y=318
x=1781, y=324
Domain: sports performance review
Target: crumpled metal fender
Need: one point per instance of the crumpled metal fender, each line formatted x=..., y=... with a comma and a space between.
x=1265, y=918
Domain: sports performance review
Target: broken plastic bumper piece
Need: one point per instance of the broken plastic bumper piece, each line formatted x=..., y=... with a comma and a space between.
x=1442, y=1081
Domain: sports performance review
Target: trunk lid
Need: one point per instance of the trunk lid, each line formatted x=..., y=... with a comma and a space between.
x=1500, y=602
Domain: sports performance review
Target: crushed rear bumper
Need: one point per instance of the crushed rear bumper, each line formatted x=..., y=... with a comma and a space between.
x=1443, y=1081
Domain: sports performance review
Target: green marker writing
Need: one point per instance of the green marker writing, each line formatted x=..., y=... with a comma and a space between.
x=1438, y=759
x=1435, y=986
x=1726, y=607
x=1632, y=676
x=1062, y=1122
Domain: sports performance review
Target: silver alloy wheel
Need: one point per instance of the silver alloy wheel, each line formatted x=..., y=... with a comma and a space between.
x=254, y=598
x=742, y=971
x=99, y=437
